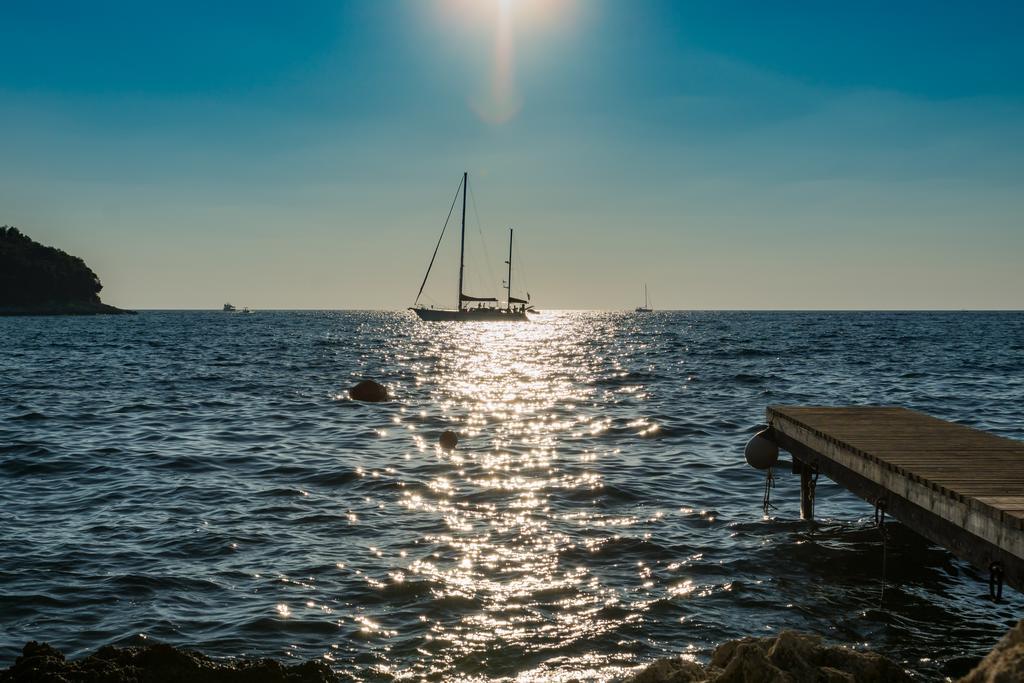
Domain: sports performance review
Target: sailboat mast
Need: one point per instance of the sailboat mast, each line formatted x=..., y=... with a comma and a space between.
x=646, y=304
x=508, y=285
x=462, y=243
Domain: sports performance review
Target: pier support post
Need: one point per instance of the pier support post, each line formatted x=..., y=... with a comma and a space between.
x=806, y=494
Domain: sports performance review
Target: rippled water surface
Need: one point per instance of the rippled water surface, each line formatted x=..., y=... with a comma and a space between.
x=203, y=479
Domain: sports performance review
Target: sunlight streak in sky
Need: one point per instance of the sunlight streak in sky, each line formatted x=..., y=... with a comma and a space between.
x=503, y=101
x=508, y=20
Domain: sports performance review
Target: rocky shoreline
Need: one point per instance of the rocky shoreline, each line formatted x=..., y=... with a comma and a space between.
x=73, y=308
x=159, y=663
x=786, y=658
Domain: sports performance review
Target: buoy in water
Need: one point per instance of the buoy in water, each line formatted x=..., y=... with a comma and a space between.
x=761, y=452
x=449, y=440
x=369, y=391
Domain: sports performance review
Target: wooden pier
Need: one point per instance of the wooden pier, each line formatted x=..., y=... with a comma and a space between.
x=959, y=487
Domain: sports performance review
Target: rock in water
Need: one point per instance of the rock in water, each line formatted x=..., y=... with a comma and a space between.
x=449, y=440
x=369, y=391
x=1005, y=663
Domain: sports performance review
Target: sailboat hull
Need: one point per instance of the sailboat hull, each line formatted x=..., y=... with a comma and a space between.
x=470, y=315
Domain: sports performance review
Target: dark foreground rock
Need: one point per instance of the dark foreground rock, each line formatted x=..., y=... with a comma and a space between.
x=1005, y=664
x=786, y=658
x=40, y=663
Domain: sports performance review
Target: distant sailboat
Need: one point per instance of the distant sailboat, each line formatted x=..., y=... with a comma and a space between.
x=646, y=308
x=514, y=310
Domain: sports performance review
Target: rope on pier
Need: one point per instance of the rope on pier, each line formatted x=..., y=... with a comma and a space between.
x=995, y=581
x=769, y=484
x=880, y=523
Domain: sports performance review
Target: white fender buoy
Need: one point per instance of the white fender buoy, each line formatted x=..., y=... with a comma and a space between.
x=761, y=452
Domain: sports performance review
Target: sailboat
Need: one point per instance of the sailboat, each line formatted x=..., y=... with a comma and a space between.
x=646, y=308
x=486, y=308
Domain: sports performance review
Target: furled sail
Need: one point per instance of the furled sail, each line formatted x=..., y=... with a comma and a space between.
x=467, y=297
x=513, y=300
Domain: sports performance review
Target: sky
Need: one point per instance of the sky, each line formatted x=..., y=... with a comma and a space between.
x=730, y=155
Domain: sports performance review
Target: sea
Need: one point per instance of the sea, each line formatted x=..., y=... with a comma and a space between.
x=203, y=479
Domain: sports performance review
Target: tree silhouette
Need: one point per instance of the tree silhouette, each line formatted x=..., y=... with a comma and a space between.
x=34, y=274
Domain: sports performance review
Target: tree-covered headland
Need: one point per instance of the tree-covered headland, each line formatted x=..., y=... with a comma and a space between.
x=36, y=279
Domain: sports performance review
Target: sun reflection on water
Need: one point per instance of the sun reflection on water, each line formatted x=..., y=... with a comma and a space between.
x=511, y=392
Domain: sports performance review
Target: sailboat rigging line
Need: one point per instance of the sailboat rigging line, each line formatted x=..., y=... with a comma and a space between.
x=520, y=269
x=437, y=246
x=483, y=242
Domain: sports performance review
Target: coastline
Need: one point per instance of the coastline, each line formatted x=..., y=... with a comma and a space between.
x=788, y=657
x=72, y=308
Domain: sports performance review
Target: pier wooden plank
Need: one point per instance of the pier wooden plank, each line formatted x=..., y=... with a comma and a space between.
x=959, y=486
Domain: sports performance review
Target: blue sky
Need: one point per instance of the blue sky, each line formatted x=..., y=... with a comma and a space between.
x=730, y=154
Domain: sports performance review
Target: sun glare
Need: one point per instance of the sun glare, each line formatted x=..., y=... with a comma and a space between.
x=533, y=13
x=505, y=22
